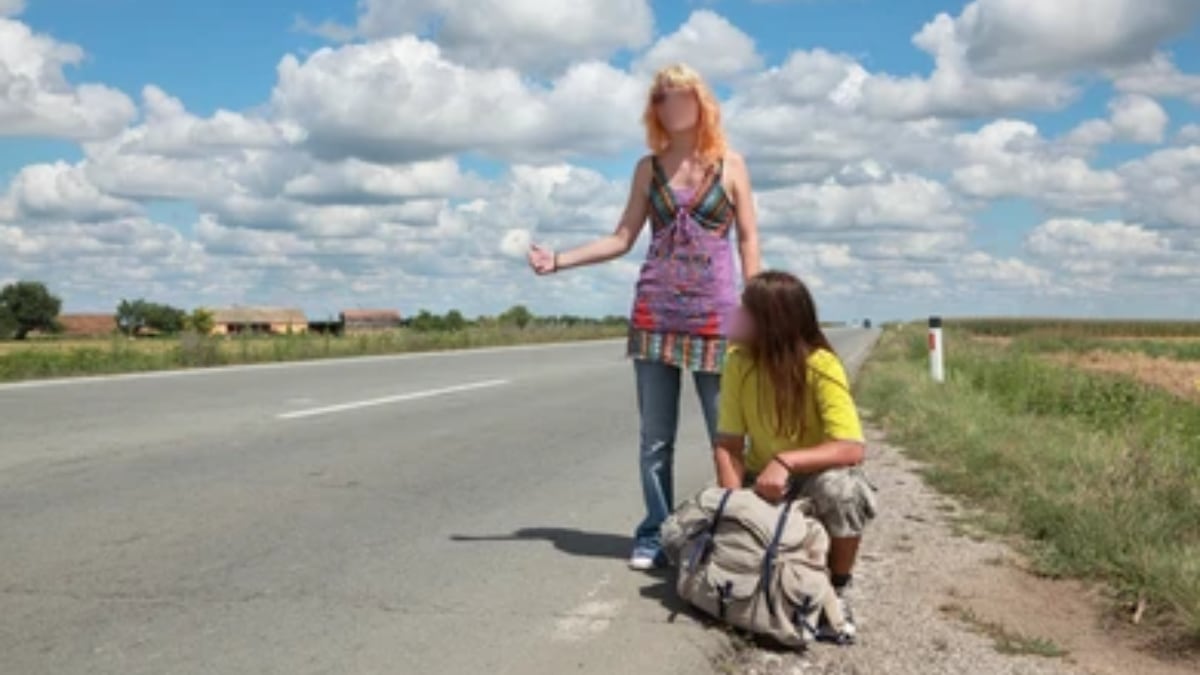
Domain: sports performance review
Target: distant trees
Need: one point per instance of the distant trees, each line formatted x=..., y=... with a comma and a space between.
x=454, y=321
x=426, y=322
x=518, y=316
x=199, y=321
x=140, y=314
x=26, y=306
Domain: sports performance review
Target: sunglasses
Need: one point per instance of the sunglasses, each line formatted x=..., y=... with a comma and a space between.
x=660, y=97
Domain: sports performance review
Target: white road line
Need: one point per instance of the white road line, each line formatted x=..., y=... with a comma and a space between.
x=399, y=398
x=343, y=361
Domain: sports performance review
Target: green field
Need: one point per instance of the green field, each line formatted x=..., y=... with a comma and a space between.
x=1179, y=340
x=59, y=358
x=1099, y=472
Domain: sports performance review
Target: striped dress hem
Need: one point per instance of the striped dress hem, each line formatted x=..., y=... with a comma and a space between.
x=696, y=353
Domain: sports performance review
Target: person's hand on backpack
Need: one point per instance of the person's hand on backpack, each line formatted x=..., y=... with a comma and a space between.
x=772, y=483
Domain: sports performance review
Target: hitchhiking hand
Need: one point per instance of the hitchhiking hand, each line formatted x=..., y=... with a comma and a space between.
x=542, y=260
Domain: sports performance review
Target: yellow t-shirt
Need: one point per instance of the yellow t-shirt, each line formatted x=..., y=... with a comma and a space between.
x=747, y=407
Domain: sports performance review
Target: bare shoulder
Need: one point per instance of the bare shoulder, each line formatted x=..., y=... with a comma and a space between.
x=642, y=172
x=736, y=174
x=735, y=178
x=644, y=167
x=735, y=161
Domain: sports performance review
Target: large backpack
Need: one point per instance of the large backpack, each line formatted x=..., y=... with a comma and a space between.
x=756, y=566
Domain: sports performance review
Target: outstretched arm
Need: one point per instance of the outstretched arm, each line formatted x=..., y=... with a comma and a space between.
x=615, y=245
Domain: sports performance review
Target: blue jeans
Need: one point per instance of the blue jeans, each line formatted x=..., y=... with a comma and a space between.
x=658, y=388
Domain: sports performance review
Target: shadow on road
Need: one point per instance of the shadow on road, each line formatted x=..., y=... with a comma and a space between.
x=573, y=542
x=597, y=545
x=663, y=591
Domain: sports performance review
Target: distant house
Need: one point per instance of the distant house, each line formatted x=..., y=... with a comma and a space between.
x=259, y=320
x=88, y=325
x=358, y=320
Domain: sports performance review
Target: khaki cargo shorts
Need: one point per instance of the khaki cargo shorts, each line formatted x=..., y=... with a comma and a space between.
x=843, y=499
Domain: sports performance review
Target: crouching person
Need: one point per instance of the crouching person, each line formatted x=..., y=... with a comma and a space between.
x=785, y=393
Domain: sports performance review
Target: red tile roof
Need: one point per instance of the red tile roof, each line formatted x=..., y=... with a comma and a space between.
x=88, y=324
x=370, y=315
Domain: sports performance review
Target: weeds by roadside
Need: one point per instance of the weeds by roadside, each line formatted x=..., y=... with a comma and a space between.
x=1099, y=472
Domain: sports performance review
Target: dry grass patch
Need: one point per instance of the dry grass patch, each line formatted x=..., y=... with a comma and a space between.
x=1181, y=378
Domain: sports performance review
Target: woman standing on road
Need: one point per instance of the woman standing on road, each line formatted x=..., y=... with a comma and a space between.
x=694, y=190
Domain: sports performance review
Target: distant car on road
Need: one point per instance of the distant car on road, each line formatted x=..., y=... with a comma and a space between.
x=866, y=323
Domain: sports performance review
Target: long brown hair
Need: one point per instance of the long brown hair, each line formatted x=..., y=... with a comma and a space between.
x=786, y=332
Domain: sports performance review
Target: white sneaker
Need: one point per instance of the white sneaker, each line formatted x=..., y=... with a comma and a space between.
x=644, y=559
x=849, y=630
x=848, y=633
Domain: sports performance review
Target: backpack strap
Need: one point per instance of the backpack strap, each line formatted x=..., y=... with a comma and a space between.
x=772, y=551
x=725, y=592
x=801, y=612
x=701, y=552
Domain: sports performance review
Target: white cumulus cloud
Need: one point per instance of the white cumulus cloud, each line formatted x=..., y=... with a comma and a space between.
x=61, y=191
x=400, y=100
x=1074, y=237
x=1139, y=118
x=1009, y=158
x=955, y=88
x=1024, y=36
x=709, y=43
x=1158, y=76
x=37, y=100
x=519, y=33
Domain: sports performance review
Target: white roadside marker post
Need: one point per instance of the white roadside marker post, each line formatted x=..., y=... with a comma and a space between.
x=937, y=366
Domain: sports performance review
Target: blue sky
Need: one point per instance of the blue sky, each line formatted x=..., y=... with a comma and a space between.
x=1011, y=173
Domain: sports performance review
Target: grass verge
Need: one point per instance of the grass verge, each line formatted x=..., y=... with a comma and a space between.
x=1099, y=473
x=37, y=359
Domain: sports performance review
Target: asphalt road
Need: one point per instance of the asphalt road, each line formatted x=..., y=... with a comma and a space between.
x=455, y=513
